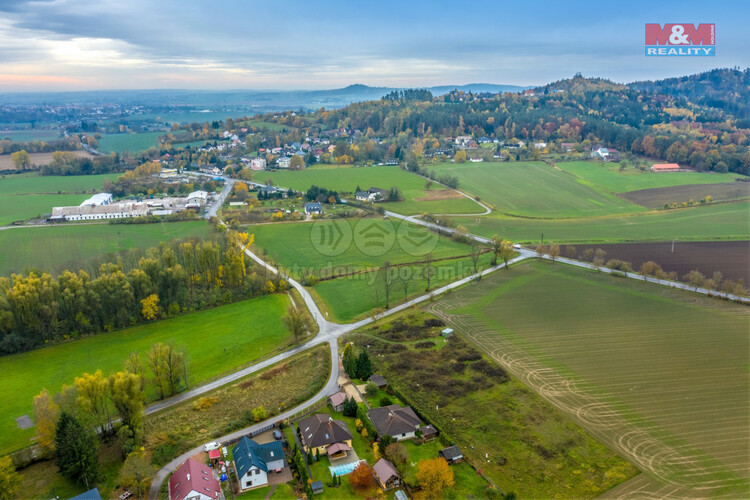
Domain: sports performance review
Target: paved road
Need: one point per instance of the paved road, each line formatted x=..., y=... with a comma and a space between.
x=329, y=332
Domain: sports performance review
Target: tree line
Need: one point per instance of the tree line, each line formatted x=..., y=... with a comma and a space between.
x=37, y=308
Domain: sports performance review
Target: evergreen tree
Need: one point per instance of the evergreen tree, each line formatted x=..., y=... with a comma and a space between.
x=364, y=366
x=76, y=450
x=350, y=407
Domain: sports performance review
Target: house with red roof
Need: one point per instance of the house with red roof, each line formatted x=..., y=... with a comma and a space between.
x=665, y=167
x=195, y=481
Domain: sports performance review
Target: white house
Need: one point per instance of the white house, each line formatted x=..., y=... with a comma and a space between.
x=258, y=163
x=98, y=200
x=283, y=162
x=254, y=462
x=540, y=145
x=314, y=208
x=195, y=481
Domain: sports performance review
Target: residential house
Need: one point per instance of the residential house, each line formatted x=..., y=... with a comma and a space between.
x=540, y=145
x=599, y=152
x=451, y=454
x=378, y=380
x=386, y=475
x=398, y=422
x=283, y=162
x=195, y=481
x=364, y=196
x=320, y=432
x=337, y=401
x=258, y=164
x=378, y=194
x=88, y=495
x=254, y=462
x=567, y=146
x=314, y=208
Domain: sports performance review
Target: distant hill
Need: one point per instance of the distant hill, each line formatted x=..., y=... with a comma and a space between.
x=252, y=100
x=726, y=89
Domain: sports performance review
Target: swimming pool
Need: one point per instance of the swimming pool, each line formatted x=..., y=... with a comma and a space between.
x=340, y=470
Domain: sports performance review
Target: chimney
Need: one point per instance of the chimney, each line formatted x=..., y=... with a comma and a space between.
x=188, y=477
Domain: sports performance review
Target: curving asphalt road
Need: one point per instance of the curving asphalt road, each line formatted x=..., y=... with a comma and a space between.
x=329, y=332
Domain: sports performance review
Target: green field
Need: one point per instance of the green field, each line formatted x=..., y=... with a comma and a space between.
x=28, y=135
x=58, y=248
x=31, y=183
x=28, y=195
x=534, y=189
x=305, y=246
x=133, y=143
x=216, y=340
x=725, y=221
x=343, y=178
x=659, y=375
x=608, y=176
x=351, y=298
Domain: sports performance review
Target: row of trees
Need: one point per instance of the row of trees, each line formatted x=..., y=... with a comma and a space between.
x=38, y=308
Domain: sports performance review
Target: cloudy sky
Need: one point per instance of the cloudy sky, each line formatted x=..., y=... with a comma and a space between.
x=232, y=44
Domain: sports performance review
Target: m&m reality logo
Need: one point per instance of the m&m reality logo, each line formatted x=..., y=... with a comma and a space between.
x=680, y=40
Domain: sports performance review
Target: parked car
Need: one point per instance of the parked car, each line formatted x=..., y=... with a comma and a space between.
x=213, y=445
x=277, y=435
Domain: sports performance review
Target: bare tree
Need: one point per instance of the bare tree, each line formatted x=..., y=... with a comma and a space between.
x=404, y=283
x=296, y=322
x=495, y=243
x=156, y=363
x=429, y=269
x=387, y=281
x=476, y=251
x=554, y=251
x=174, y=359
x=540, y=249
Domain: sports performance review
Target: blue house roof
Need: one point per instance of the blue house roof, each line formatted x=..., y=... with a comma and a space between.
x=247, y=454
x=88, y=495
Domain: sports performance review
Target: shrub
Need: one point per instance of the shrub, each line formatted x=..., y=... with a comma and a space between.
x=205, y=403
x=371, y=389
x=385, y=401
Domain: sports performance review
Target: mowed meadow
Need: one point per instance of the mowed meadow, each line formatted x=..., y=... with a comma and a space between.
x=534, y=189
x=56, y=248
x=216, y=341
x=25, y=196
x=346, y=178
x=659, y=375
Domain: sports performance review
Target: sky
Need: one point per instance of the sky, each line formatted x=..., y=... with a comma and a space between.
x=61, y=45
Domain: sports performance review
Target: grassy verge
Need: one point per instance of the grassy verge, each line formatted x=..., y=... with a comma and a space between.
x=282, y=386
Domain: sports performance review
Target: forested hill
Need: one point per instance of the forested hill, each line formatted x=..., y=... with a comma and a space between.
x=726, y=89
x=581, y=110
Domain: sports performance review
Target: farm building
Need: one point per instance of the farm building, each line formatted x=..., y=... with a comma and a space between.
x=98, y=200
x=447, y=333
x=100, y=212
x=665, y=167
x=254, y=461
x=320, y=432
x=197, y=199
x=194, y=480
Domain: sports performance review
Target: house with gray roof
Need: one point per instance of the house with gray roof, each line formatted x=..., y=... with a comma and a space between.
x=393, y=420
x=253, y=462
x=320, y=432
